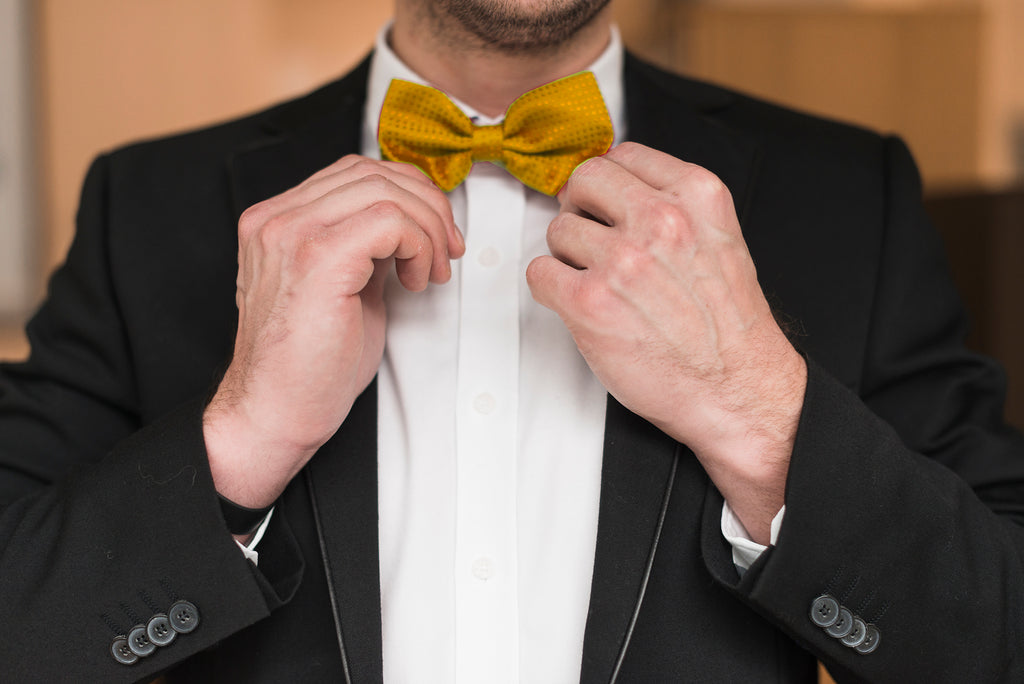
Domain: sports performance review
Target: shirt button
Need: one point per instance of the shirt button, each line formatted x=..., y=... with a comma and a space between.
x=489, y=257
x=483, y=569
x=484, y=403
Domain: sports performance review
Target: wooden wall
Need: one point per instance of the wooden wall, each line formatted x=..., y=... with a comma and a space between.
x=913, y=70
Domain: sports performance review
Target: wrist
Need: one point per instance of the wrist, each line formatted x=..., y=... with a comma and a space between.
x=748, y=458
x=249, y=466
x=760, y=421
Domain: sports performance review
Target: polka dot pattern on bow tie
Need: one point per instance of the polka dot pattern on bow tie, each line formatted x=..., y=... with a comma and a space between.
x=546, y=133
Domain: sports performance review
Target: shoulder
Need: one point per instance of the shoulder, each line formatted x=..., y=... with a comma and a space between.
x=201, y=147
x=738, y=110
x=786, y=157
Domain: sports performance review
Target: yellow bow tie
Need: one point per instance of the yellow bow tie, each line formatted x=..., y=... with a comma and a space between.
x=546, y=133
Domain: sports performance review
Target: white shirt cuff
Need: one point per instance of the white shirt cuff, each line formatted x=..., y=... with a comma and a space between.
x=745, y=550
x=249, y=550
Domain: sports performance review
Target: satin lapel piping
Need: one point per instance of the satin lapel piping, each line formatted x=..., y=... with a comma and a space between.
x=343, y=483
x=325, y=559
x=647, y=568
x=636, y=484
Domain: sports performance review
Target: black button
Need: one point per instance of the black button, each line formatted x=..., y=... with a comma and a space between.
x=856, y=636
x=184, y=617
x=122, y=654
x=871, y=638
x=139, y=643
x=842, y=626
x=825, y=611
x=159, y=630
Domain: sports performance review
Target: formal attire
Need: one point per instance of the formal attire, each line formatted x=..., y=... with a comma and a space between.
x=903, y=501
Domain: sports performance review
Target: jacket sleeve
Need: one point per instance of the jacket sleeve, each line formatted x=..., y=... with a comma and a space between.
x=905, y=496
x=105, y=524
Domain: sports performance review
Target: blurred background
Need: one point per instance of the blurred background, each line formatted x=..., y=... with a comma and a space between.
x=81, y=76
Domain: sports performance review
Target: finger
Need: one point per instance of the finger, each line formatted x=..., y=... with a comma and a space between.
x=577, y=241
x=388, y=201
x=380, y=233
x=355, y=167
x=655, y=168
x=354, y=160
x=553, y=283
x=601, y=188
x=405, y=175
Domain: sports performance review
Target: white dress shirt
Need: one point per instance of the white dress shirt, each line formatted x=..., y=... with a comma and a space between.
x=490, y=438
x=490, y=435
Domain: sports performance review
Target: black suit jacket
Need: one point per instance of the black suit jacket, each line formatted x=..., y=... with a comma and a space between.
x=904, y=497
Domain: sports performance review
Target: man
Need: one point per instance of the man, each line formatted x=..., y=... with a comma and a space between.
x=587, y=451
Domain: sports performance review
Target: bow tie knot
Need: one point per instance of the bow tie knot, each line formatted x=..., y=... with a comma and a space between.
x=488, y=143
x=547, y=133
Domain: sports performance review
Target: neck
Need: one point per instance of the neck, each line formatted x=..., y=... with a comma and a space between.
x=486, y=77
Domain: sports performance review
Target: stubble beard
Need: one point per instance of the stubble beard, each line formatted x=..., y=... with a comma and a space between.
x=504, y=26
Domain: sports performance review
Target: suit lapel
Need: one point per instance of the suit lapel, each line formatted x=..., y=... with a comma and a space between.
x=342, y=478
x=677, y=116
x=299, y=139
x=639, y=463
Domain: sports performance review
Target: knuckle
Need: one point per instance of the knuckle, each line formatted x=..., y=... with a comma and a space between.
x=631, y=263
x=586, y=169
x=667, y=222
x=377, y=183
x=275, y=234
x=626, y=149
x=557, y=228
x=386, y=210
x=374, y=178
x=708, y=186
x=253, y=218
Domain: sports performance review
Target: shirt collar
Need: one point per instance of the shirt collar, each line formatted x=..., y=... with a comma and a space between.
x=385, y=66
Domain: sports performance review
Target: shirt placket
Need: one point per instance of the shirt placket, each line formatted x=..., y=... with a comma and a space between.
x=486, y=580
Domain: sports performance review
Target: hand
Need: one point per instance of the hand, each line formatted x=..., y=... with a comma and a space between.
x=650, y=273
x=311, y=315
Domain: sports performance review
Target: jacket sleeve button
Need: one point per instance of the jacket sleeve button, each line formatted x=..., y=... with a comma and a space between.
x=139, y=643
x=159, y=630
x=824, y=611
x=184, y=617
x=871, y=638
x=856, y=636
x=122, y=654
x=842, y=626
